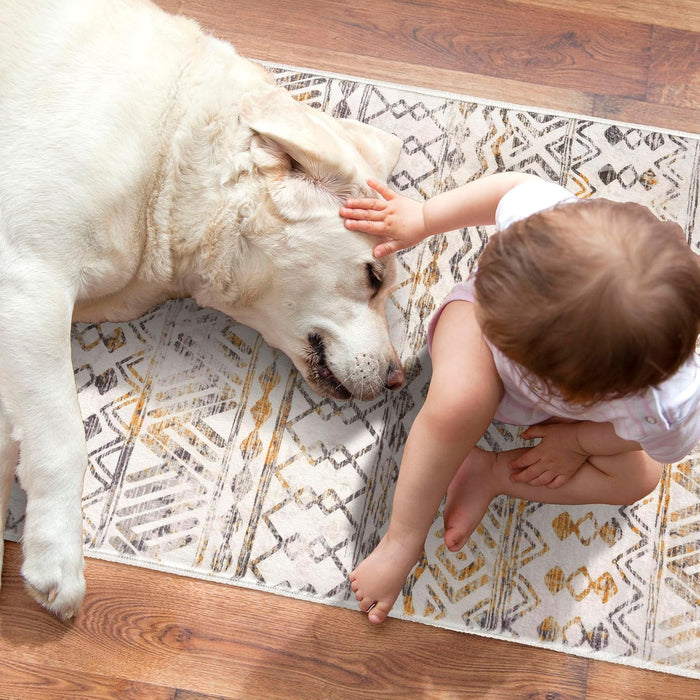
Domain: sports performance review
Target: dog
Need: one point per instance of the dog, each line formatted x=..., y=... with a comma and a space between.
x=143, y=160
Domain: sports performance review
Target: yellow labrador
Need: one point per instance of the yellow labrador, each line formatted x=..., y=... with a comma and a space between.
x=142, y=160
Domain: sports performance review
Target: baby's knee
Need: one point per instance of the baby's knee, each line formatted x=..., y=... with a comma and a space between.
x=645, y=478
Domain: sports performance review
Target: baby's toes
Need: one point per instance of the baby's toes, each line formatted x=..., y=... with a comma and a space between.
x=366, y=603
x=378, y=614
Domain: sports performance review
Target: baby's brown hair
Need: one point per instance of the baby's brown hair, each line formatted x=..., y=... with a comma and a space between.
x=596, y=298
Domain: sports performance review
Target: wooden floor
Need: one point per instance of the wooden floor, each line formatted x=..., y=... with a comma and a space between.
x=144, y=634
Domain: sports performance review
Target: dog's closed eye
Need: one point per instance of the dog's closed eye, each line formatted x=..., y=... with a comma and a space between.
x=375, y=275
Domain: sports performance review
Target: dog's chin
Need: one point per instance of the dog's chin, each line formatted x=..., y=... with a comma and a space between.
x=319, y=374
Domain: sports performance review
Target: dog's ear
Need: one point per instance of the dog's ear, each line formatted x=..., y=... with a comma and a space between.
x=326, y=149
x=379, y=148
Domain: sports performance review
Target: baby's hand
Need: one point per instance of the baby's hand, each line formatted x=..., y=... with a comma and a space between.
x=397, y=219
x=554, y=460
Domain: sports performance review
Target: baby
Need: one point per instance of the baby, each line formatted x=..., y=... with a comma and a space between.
x=581, y=322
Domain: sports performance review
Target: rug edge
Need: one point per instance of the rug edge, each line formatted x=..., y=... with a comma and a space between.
x=643, y=664
x=449, y=95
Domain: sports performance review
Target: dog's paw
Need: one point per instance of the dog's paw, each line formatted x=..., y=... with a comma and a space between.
x=57, y=585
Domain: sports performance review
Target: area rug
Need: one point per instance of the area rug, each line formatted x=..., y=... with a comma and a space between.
x=210, y=457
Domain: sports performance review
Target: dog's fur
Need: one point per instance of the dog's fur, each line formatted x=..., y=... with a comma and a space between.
x=142, y=160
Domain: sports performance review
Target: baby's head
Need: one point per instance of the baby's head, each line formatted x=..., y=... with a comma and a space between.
x=598, y=299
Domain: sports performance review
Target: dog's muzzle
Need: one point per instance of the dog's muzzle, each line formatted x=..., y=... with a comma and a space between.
x=319, y=371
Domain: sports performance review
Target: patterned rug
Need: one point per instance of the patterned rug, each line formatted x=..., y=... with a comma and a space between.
x=210, y=457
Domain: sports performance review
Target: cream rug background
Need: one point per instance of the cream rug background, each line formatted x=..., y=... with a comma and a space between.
x=210, y=457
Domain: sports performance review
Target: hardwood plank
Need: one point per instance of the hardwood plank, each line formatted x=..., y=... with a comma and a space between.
x=680, y=14
x=674, y=77
x=305, y=51
x=48, y=681
x=607, y=681
x=458, y=82
x=498, y=39
x=170, y=631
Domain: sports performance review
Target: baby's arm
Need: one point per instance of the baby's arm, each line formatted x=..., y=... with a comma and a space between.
x=403, y=222
x=462, y=398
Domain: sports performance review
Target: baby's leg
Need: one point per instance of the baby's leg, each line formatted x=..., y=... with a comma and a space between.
x=464, y=392
x=471, y=491
x=619, y=479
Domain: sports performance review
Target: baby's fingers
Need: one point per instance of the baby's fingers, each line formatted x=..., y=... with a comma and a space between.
x=377, y=228
x=381, y=189
x=558, y=480
x=544, y=479
x=385, y=248
x=369, y=214
x=363, y=205
x=527, y=475
x=533, y=432
x=527, y=459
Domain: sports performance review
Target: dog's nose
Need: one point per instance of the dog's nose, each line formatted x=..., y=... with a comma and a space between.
x=395, y=377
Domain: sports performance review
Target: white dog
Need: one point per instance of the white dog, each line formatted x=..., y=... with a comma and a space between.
x=142, y=160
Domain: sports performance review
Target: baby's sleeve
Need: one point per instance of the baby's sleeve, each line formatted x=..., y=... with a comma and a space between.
x=529, y=198
x=462, y=291
x=678, y=400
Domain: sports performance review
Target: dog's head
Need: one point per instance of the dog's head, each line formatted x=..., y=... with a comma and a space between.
x=312, y=288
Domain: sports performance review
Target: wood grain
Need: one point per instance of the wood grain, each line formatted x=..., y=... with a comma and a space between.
x=674, y=69
x=615, y=681
x=149, y=634
x=520, y=42
x=680, y=14
x=597, y=58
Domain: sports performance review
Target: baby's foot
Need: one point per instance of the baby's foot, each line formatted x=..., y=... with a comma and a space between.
x=468, y=497
x=378, y=580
